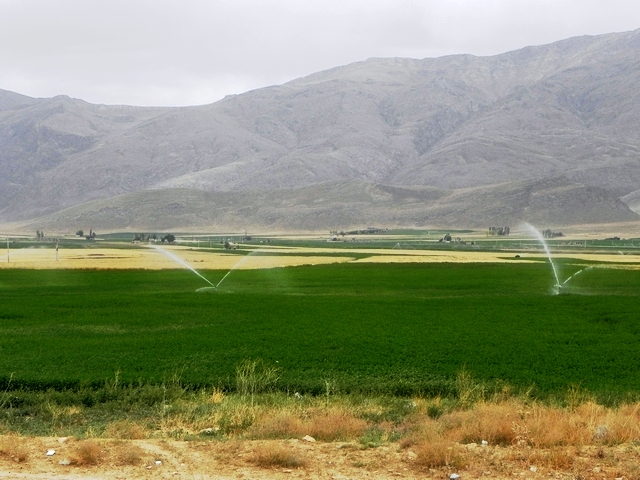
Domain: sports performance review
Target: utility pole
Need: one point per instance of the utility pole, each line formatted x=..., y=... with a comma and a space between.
x=7, y=249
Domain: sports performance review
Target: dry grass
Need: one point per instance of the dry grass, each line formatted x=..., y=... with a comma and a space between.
x=272, y=454
x=125, y=430
x=336, y=425
x=438, y=454
x=217, y=396
x=130, y=455
x=14, y=448
x=496, y=424
x=528, y=434
x=87, y=452
x=284, y=424
x=324, y=425
x=557, y=458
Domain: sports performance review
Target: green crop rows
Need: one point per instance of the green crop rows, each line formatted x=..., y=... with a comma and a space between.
x=395, y=328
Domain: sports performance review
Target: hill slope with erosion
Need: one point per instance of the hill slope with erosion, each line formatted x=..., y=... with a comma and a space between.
x=471, y=127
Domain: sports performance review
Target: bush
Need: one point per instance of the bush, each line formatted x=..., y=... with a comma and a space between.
x=272, y=454
x=86, y=452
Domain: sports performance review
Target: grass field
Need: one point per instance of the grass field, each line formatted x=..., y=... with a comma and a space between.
x=397, y=329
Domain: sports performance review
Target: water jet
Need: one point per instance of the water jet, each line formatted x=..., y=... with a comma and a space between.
x=576, y=274
x=177, y=259
x=557, y=286
x=235, y=266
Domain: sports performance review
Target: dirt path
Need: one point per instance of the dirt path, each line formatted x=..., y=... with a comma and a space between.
x=161, y=459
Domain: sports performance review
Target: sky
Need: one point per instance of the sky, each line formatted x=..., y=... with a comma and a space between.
x=194, y=52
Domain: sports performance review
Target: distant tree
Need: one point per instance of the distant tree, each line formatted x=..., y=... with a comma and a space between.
x=169, y=238
x=80, y=233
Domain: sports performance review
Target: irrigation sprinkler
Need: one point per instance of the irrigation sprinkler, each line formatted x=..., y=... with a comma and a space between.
x=557, y=286
x=180, y=261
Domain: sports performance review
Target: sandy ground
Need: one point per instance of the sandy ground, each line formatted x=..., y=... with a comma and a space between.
x=155, y=259
x=142, y=459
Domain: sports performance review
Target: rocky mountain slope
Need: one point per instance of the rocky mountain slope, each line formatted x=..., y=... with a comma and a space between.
x=545, y=133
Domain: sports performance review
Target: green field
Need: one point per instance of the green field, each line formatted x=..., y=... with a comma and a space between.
x=393, y=329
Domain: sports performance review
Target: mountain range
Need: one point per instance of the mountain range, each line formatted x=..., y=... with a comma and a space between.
x=547, y=134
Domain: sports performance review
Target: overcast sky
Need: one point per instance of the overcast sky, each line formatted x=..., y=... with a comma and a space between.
x=189, y=52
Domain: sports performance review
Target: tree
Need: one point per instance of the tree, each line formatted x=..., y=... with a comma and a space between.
x=169, y=238
x=80, y=233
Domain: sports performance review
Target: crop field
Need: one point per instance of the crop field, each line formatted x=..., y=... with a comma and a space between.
x=390, y=328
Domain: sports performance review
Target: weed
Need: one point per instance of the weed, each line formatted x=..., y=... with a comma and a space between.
x=125, y=430
x=489, y=422
x=284, y=424
x=373, y=437
x=217, y=396
x=87, y=452
x=131, y=455
x=13, y=448
x=272, y=454
x=439, y=454
x=468, y=389
x=335, y=425
x=557, y=458
x=253, y=376
x=6, y=396
x=576, y=396
x=236, y=419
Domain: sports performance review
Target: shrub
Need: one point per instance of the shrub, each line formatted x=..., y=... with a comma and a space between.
x=13, y=448
x=130, y=455
x=336, y=425
x=437, y=454
x=86, y=452
x=253, y=376
x=272, y=454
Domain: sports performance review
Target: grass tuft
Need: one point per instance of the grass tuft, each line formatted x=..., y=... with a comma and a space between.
x=125, y=430
x=131, y=455
x=439, y=454
x=87, y=452
x=271, y=454
x=13, y=447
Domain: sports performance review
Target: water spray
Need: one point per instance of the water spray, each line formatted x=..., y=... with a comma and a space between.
x=576, y=274
x=540, y=238
x=235, y=266
x=177, y=259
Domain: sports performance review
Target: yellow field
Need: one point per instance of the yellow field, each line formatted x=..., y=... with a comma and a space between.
x=148, y=258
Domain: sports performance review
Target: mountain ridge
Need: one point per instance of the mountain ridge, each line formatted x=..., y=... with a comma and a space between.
x=566, y=111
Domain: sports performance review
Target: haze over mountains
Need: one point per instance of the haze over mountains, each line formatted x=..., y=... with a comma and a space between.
x=547, y=134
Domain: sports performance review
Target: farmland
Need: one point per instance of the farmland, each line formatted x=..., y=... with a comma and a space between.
x=387, y=328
